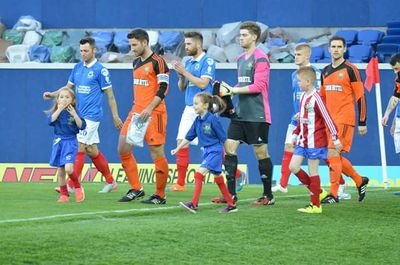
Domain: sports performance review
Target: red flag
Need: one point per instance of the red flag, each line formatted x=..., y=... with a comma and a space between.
x=372, y=73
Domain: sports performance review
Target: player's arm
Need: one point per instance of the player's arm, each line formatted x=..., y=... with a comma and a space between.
x=260, y=82
x=113, y=107
x=393, y=101
x=219, y=130
x=328, y=122
x=261, y=77
x=50, y=95
x=358, y=90
x=162, y=73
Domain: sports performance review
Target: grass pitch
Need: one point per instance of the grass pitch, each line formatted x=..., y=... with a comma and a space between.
x=35, y=229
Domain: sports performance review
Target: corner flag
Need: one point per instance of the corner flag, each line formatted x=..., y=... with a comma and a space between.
x=372, y=73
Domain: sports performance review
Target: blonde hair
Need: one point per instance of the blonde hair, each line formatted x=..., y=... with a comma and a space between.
x=303, y=46
x=307, y=72
x=215, y=103
x=55, y=105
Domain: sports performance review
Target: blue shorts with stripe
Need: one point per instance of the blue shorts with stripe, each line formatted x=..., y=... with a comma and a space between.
x=311, y=153
x=64, y=151
x=213, y=158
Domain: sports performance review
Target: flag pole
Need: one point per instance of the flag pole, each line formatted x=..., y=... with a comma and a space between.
x=381, y=135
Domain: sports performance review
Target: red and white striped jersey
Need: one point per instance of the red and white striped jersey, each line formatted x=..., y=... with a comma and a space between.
x=314, y=118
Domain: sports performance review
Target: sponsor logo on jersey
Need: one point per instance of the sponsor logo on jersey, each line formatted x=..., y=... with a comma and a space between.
x=141, y=82
x=83, y=89
x=333, y=88
x=244, y=79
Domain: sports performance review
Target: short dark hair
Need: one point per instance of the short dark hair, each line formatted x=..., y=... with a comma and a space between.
x=139, y=34
x=339, y=38
x=89, y=40
x=194, y=35
x=253, y=27
x=395, y=59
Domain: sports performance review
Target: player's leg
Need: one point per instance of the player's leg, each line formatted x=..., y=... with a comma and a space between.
x=256, y=134
x=347, y=168
x=155, y=138
x=99, y=160
x=287, y=156
x=183, y=155
x=314, y=187
x=129, y=165
x=295, y=166
x=64, y=196
x=335, y=171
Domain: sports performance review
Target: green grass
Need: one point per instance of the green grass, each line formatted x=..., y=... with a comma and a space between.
x=102, y=231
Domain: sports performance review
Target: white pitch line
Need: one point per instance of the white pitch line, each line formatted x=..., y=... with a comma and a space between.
x=59, y=216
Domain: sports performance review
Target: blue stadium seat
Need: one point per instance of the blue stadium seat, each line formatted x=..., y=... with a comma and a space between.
x=386, y=50
x=369, y=37
x=360, y=53
x=393, y=24
x=391, y=39
x=317, y=53
x=393, y=31
x=349, y=35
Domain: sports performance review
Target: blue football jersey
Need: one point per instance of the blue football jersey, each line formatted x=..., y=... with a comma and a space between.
x=203, y=66
x=90, y=81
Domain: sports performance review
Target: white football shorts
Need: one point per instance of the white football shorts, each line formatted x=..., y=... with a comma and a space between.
x=187, y=119
x=289, y=133
x=90, y=134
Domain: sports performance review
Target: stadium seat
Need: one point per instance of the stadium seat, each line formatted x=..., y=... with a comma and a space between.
x=369, y=37
x=391, y=39
x=349, y=35
x=317, y=53
x=393, y=31
x=393, y=24
x=386, y=50
x=360, y=53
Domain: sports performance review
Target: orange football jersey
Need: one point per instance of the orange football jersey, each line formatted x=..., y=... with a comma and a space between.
x=147, y=76
x=341, y=87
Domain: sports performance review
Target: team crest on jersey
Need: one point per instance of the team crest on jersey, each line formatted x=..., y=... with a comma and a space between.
x=210, y=61
x=207, y=128
x=71, y=120
x=309, y=108
x=146, y=69
x=196, y=66
x=250, y=65
x=340, y=75
x=104, y=72
x=90, y=74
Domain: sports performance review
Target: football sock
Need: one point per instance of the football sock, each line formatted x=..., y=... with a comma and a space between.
x=304, y=178
x=222, y=187
x=230, y=164
x=265, y=167
x=335, y=171
x=341, y=180
x=198, y=185
x=161, y=167
x=102, y=165
x=285, y=171
x=315, y=190
x=182, y=163
x=78, y=166
x=64, y=190
x=348, y=170
x=129, y=164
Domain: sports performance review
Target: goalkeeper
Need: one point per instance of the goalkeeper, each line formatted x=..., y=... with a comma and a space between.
x=252, y=119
